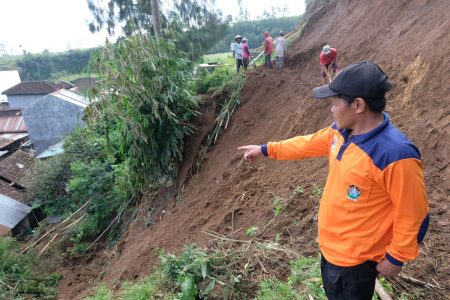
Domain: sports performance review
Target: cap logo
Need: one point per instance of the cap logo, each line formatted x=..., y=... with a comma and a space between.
x=353, y=192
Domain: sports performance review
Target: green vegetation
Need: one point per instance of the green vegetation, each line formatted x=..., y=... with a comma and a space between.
x=209, y=82
x=299, y=190
x=230, y=91
x=221, y=274
x=278, y=205
x=317, y=191
x=46, y=65
x=146, y=117
x=24, y=276
x=133, y=140
x=251, y=231
x=84, y=173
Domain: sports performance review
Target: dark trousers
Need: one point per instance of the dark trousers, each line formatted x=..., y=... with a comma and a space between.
x=239, y=64
x=246, y=63
x=267, y=61
x=349, y=283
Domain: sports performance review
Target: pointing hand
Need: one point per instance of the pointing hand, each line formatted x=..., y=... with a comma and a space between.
x=251, y=152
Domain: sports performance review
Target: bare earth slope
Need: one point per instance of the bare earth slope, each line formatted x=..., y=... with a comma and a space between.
x=410, y=40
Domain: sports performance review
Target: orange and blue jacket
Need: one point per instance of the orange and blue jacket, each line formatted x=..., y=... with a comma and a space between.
x=374, y=204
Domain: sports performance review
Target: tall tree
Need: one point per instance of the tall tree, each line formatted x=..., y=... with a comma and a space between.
x=195, y=23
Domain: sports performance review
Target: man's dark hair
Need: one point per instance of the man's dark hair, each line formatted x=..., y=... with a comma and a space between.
x=375, y=105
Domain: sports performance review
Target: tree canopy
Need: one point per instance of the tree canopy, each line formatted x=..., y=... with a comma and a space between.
x=194, y=24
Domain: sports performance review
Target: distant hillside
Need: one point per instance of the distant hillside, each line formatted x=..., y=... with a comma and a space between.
x=254, y=31
x=46, y=65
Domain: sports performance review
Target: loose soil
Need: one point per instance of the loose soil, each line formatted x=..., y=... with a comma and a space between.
x=409, y=39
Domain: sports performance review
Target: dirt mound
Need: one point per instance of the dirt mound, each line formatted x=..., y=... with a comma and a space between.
x=409, y=40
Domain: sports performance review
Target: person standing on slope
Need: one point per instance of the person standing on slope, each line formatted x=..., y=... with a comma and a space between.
x=238, y=52
x=374, y=210
x=246, y=53
x=268, y=49
x=328, y=57
x=280, y=50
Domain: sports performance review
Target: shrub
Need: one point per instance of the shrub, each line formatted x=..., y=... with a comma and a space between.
x=145, y=102
x=190, y=271
x=212, y=81
x=23, y=276
x=97, y=182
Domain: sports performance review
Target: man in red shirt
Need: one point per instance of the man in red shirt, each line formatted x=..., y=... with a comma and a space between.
x=328, y=57
x=268, y=49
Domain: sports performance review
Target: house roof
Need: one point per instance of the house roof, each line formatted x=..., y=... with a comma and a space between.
x=12, y=212
x=52, y=151
x=7, y=80
x=69, y=97
x=12, y=192
x=9, y=138
x=14, y=167
x=11, y=121
x=64, y=85
x=32, y=87
x=84, y=82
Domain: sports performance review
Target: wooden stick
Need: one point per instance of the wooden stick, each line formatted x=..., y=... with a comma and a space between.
x=54, y=228
x=409, y=278
x=56, y=235
x=381, y=292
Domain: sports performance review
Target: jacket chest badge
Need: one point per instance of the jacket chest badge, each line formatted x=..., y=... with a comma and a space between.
x=353, y=192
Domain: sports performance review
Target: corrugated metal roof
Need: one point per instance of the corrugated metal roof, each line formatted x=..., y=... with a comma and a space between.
x=12, y=211
x=9, y=138
x=32, y=87
x=11, y=121
x=52, y=151
x=70, y=97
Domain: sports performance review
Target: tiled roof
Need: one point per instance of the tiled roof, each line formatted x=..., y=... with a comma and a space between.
x=64, y=85
x=11, y=192
x=14, y=167
x=31, y=87
x=11, y=121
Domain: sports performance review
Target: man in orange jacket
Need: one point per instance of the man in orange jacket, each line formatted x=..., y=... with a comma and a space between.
x=374, y=211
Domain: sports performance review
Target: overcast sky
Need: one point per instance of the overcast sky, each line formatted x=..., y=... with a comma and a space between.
x=60, y=25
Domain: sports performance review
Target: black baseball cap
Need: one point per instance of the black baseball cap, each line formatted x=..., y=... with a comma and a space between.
x=358, y=80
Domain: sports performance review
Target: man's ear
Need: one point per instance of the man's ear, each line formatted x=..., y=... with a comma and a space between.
x=360, y=105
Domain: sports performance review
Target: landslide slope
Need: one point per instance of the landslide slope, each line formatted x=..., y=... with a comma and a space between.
x=410, y=40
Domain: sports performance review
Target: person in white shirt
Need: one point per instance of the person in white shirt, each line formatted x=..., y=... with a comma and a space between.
x=238, y=52
x=280, y=50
